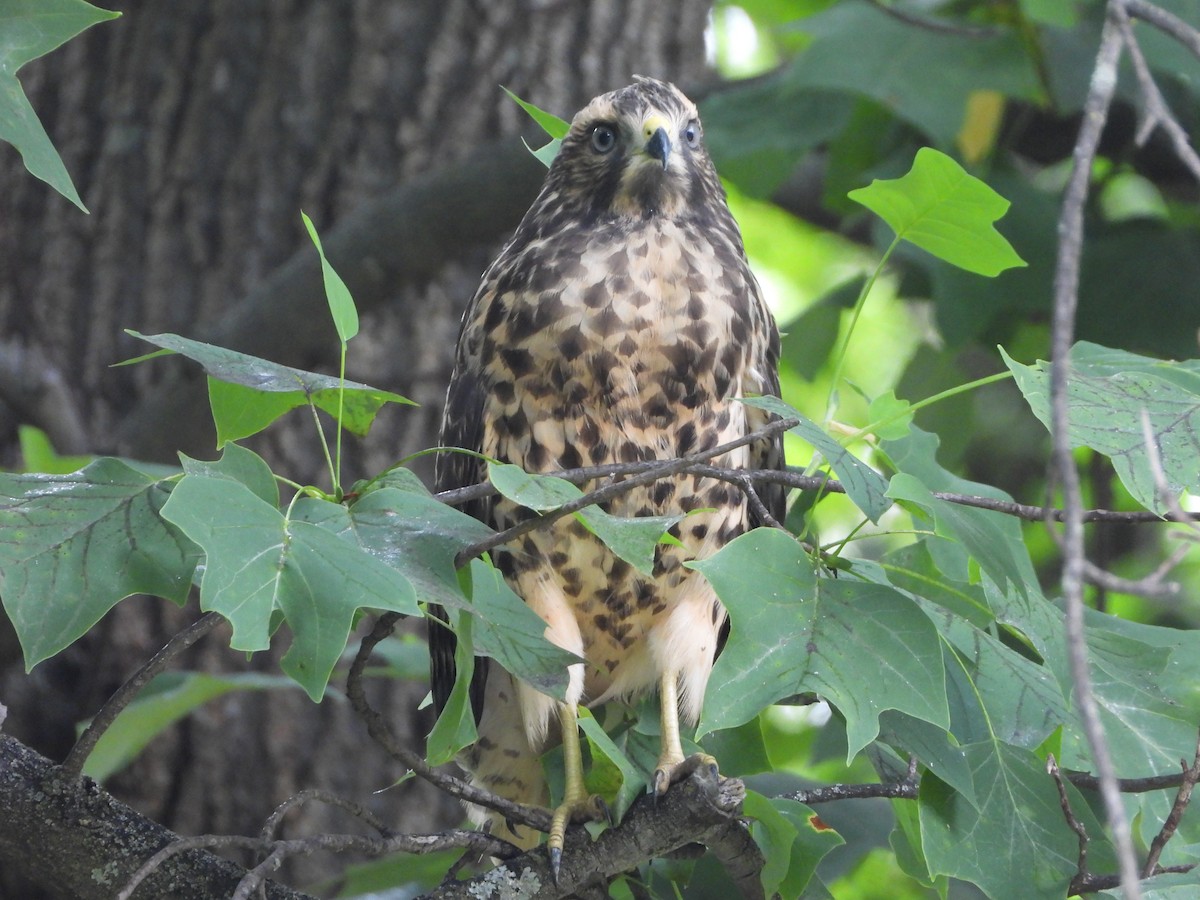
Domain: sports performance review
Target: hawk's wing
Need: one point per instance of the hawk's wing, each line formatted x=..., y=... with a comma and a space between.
x=462, y=426
x=768, y=454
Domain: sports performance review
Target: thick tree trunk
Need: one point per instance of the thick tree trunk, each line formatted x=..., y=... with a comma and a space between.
x=196, y=131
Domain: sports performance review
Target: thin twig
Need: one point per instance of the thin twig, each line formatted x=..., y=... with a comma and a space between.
x=617, y=488
x=1166, y=22
x=1066, y=299
x=1156, y=113
x=1076, y=826
x=1191, y=774
x=1153, y=586
x=125, y=694
x=357, y=810
x=1088, y=782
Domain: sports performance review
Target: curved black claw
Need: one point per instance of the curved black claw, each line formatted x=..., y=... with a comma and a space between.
x=555, y=863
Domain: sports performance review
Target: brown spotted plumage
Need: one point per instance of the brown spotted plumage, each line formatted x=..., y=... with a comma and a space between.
x=621, y=323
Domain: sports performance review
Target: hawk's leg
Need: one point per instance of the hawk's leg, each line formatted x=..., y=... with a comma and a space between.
x=672, y=766
x=577, y=804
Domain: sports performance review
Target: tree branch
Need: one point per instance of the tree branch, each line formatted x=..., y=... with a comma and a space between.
x=699, y=808
x=1066, y=299
x=795, y=478
x=72, y=838
x=1166, y=22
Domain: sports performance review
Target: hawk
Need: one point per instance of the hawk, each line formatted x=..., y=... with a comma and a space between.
x=620, y=324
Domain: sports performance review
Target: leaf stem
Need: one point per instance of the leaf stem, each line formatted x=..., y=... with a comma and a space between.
x=832, y=402
x=928, y=401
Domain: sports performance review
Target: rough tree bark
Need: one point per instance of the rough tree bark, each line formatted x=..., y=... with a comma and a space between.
x=195, y=132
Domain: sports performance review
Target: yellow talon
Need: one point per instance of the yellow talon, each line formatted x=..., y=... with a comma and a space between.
x=577, y=804
x=672, y=765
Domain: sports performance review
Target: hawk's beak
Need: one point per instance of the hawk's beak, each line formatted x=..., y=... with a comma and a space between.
x=658, y=144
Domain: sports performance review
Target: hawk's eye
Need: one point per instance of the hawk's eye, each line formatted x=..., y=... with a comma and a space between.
x=691, y=134
x=603, y=138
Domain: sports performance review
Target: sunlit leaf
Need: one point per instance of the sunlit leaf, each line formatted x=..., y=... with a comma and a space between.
x=341, y=304
x=941, y=208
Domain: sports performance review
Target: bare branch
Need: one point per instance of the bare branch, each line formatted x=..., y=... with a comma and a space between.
x=698, y=809
x=1166, y=22
x=1066, y=299
x=1156, y=113
x=1074, y=823
x=125, y=694
x=277, y=851
x=1191, y=774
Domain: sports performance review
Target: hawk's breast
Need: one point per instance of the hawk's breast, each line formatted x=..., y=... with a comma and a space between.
x=626, y=346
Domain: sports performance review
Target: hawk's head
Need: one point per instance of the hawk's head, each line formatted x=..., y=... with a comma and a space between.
x=635, y=153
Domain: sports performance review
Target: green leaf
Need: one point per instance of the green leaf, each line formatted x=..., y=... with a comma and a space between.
x=941, y=208
x=982, y=532
x=1145, y=680
x=259, y=562
x=248, y=394
x=612, y=774
x=997, y=693
x=39, y=455
x=237, y=464
x=633, y=539
x=890, y=416
x=741, y=750
x=514, y=635
x=537, y=492
x=32, y=28
x=1018, y=810
x=991, y=538
x=551, y=124
x=166, y=700
x=546, y=153
x=341, y=304
x=793, y=632
x=411, y=532
x=757, y=131
x=814, y=839
x=933, y=746
x=866, y=487
x=455, y=727
x=775, y=836
x=1108, y=392
x=72, y=546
